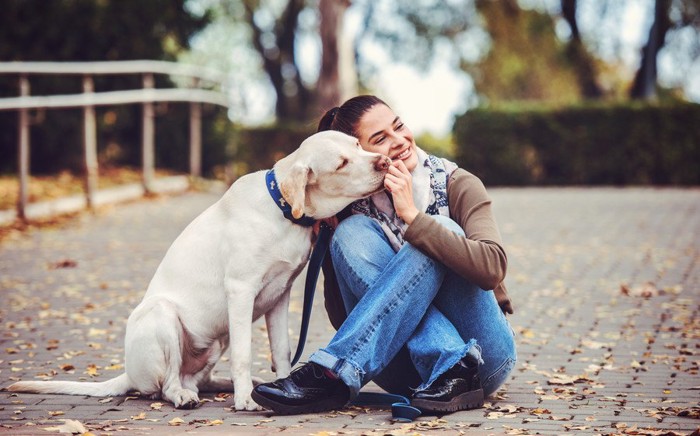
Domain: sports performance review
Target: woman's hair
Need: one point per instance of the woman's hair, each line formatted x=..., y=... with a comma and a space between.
x=345, y=117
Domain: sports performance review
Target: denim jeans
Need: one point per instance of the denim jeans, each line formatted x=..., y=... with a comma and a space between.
x=409, y=317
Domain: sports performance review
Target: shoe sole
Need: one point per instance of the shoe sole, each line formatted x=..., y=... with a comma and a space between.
x=466, y=401
x=286, y=409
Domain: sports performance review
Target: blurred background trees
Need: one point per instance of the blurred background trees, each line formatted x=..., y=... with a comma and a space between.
x=87, y=30
x=548, y=50
x=290, y=60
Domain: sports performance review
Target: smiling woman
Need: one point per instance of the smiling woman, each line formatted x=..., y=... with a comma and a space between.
x=414, y=284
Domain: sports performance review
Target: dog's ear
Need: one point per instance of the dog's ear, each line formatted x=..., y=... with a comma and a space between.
x=293, y=188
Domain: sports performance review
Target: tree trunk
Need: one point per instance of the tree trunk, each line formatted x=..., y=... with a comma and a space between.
x=644, y=85
x=578, y=55
x=279, y=62
x=337, y=79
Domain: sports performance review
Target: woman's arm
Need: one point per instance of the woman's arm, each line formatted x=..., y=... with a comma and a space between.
x=478, y=257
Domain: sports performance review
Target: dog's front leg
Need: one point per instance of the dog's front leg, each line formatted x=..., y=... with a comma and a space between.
x=241, y=299
x=278, y=335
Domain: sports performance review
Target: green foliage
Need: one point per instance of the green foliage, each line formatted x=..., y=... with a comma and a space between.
x=72, y=30
x=526, y=60
x=259, y=148
x=87, y=30
x=439, y=146
x=635, y=144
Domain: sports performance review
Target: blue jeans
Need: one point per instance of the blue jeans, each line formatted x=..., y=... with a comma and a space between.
x=409, y=317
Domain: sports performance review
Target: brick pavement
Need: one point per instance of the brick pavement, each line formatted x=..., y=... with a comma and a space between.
x=592, y=358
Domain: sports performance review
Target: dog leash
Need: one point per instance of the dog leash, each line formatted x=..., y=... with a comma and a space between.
x=314, y=268
x=401, y=408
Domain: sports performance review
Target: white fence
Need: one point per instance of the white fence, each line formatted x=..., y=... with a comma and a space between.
x=146, y=96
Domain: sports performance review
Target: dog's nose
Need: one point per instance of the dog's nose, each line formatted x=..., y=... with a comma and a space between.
x=382, y=163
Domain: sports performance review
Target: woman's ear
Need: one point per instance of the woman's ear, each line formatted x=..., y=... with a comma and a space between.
x=293, y=188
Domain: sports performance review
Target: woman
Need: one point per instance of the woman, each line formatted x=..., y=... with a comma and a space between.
x=416, y=282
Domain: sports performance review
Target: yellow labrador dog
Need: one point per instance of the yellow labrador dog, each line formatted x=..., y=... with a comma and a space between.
x=234, y=263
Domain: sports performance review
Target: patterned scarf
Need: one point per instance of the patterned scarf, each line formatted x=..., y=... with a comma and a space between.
x=429, y=195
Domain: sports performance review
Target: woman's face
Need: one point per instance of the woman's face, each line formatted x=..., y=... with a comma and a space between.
x=381, y=131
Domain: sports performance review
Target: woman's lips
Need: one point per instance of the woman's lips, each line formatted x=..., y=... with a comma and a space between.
x=403, y=155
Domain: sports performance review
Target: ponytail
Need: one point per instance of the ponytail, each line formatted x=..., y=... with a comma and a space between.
x=327, y=120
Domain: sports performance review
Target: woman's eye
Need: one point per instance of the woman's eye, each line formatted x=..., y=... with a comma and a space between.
x=380, y=140
x=342, y=164
x=400, y=126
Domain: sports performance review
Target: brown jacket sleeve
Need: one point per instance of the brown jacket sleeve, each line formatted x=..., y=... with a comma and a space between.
x=479, y=256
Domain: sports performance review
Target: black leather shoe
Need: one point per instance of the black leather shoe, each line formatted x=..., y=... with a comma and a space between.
x=307, y=390
x=459, y=388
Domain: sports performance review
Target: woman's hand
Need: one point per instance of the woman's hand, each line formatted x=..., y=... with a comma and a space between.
x=399, y=183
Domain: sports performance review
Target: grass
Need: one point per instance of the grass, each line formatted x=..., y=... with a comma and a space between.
x=65, y=183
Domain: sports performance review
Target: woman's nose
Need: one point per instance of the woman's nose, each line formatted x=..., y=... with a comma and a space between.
x=396, y=141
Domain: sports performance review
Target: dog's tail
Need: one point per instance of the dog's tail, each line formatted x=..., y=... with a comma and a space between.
x=117, y=386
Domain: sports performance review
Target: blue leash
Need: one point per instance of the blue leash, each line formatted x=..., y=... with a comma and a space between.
x=401, y=408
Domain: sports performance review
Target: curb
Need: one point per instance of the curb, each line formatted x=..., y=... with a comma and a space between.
x=78, y=202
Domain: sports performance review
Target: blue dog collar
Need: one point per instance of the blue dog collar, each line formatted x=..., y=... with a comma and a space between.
x=273, y=189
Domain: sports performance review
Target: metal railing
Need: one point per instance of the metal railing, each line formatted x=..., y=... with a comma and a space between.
x=147, y=96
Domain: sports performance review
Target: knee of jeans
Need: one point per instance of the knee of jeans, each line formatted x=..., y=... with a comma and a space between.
x=347, y=236
x=449, y=223
x=353, y=228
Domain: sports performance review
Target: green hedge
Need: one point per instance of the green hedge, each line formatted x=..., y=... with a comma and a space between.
x=630, y=144
x=259, y=148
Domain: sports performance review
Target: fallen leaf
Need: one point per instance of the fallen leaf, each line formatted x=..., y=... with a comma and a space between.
x=65, y=263
x=156, y=406
x=515, y=431
x=562, y=380
x=56, y=412
x=139, y=417
x=70, y=426
x=576, y=427
x=92, y=370
x=646, y=290
x=222, y=397
x=176, y=421
x=507, y=408
x=96, y=332
x=52, y=344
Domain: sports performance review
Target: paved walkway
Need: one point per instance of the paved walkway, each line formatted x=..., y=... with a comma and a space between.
x=605, y=284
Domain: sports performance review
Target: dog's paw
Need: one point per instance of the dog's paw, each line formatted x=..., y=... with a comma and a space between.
x=245, y=403
x=186, y=399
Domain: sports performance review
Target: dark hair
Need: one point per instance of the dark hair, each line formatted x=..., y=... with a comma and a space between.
x=346, y=117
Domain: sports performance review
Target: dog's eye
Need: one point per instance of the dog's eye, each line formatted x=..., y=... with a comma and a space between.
x=342, y=164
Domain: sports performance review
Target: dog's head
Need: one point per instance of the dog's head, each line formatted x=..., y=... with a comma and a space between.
x=327, y=172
